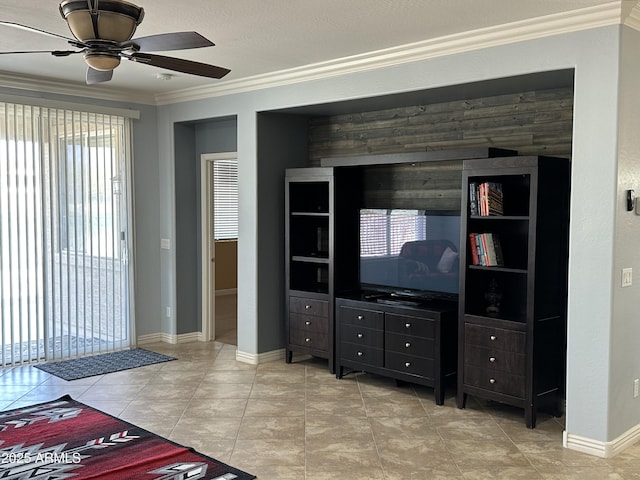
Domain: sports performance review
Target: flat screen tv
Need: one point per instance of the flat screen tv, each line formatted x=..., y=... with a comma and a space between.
x=410, y=253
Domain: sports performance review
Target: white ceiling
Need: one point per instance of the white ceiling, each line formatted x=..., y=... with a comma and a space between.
x=255, y=37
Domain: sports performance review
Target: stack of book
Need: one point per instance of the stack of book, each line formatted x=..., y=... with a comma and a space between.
x=486, y=250
x=485, y=198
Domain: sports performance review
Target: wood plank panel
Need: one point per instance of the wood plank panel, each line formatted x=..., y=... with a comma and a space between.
x=533, y=123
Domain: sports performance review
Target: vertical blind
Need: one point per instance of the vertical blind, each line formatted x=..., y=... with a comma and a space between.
x=63, y=273
x=225, y=199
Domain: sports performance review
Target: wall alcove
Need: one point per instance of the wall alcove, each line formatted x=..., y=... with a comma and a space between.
x=532, y=114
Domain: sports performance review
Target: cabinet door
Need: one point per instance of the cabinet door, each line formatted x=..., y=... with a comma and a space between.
x=410, y=345
x=361, y=317
x=499, y=382
x=498, y=338
x=361, y=354
x=410, y=325
x=400, y=362
x=361, y=336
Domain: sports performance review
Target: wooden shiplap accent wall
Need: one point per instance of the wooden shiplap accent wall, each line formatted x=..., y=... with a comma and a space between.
x=533, y=123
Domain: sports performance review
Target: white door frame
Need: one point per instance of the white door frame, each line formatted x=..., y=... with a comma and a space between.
x=207, y=253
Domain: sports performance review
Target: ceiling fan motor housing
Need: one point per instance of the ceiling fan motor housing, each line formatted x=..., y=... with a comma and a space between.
x=110, y=20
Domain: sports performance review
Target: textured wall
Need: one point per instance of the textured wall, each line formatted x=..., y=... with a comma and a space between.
x=534, y=122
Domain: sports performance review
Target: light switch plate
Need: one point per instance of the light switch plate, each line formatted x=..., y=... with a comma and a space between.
x=627, y=277
x=165, y=243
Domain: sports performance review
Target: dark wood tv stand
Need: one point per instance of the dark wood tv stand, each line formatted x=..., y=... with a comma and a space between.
x=415, y=343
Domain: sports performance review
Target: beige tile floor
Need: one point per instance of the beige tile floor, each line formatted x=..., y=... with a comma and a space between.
x=299, y=422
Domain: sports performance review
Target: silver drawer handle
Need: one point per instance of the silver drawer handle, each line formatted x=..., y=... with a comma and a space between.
x=360, y=335
x=492, y=337
x=492, y=359
x=307, y=307
x=407, y=364
x=407, y=325
x=492, y=381
x=307, y=322
x=307, y=340
x=360, y=354
x=407, y=344
x=360, y=317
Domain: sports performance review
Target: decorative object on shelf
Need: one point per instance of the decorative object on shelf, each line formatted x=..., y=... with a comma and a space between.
x=493, y=296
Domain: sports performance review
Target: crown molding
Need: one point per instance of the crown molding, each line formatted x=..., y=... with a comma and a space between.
x=34, y=84
x=539, y=27
x=633, y=18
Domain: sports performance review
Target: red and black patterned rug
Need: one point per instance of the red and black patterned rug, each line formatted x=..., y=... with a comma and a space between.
x=66, y=439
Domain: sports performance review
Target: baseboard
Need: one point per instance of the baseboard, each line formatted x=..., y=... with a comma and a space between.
x=228, y=291
x=602, y=449
x=170, y=338
x=253, y=359
x=154, y=338
x=257, y=359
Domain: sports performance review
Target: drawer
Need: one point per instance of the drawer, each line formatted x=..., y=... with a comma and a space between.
x=415, y=326
x=309, y=306
x=362, y=336
x=362, y=354
x=359, y=316
x=499, y=382
x=497, y=338
x=309, y=323
x=495, y=360
x=409, y=364
x=317, y=341
x=408, y=345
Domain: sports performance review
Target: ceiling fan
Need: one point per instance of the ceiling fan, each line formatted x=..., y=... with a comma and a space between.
x=103, y=31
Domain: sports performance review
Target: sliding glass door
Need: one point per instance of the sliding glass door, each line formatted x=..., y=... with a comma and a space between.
x=64, y=278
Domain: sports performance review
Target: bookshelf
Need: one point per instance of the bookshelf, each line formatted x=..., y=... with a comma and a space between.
x=315, y=264
x=513, y=282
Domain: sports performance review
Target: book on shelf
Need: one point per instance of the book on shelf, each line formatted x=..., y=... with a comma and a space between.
x=473, y=198
x=485, y=199
x=486, y=249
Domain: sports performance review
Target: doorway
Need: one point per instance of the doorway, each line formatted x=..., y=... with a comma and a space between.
x=219, y=220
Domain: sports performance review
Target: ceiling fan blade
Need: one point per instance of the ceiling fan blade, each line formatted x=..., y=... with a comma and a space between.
x=42, y=32
x=170, y=41
x=179, y=65
x=98, y=76
x=55, y=53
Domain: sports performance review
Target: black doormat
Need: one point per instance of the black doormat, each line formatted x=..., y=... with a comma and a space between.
x=77, y=368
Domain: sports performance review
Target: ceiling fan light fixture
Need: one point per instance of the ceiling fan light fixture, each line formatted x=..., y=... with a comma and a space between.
x=102, y=61
x=112, y=20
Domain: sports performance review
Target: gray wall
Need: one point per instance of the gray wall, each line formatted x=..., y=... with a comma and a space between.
x=282, y=143
x=187, y=220
x=625, y=326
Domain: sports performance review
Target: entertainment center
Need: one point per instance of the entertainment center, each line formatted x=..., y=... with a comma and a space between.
x=421, y=293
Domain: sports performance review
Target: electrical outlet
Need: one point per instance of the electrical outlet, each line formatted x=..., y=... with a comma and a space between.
x=627, y=277
x=636, y=387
